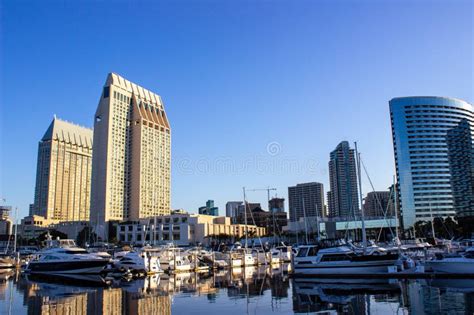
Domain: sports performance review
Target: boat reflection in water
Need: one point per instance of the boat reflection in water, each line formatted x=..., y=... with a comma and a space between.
x=256, y=290
x=316, y=295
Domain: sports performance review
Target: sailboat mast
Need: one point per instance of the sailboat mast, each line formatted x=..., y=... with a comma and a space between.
x=245, y=218
x=317, y=221
x=432, y=224
x=16, y=229
x=397, y=222
x=359, y=179
x=305, y=223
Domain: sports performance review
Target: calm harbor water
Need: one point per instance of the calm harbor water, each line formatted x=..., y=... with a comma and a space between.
x=257, y=290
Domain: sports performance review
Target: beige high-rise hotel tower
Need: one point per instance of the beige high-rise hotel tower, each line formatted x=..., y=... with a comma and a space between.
x=63, y=175
x=132, y=154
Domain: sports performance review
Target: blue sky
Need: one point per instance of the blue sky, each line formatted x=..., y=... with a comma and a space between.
x=258, y=92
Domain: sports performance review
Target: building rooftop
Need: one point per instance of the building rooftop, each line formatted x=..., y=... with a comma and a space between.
x=68, y=132
x=400, y=98
x=117, y=80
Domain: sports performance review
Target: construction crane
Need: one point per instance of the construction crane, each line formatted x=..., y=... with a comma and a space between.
x=268, y=189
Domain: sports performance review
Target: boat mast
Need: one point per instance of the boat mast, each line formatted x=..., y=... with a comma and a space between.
x=317, y=222
x=305, y=223
x=359, y=179
x=16, y=229
x=397, y=222
x=432, y=224
x=245, y=218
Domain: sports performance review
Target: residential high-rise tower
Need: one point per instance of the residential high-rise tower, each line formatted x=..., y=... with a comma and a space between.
x=306, y=200
x=63, y=174
x=343, y=196
x=461, y=166
x=132, y=154
x=427, y=131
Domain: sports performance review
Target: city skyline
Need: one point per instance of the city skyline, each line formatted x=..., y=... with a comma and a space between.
x=308, y=81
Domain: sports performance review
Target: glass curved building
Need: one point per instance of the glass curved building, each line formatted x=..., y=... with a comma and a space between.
x=420, y=128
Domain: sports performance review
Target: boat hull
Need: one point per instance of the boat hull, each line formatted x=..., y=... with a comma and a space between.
x=69, y=267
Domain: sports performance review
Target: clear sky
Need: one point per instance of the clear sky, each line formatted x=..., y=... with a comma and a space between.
x=257, y=92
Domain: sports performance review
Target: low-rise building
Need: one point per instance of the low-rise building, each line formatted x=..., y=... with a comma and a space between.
x=33, y=226
x=339, y=227
x=183, y=229
x=71, y=229
x=273, y=222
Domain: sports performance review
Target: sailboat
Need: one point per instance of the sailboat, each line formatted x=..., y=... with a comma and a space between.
x=346, y=259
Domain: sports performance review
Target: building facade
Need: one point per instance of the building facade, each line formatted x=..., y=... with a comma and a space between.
x=132, y=154
x=419, y=131
x=231, y=210
x=250, y=206
x=6, y=224
x=306, y=200
x=273, y=222
x=63, y=173
x=343, y=199
x=33, y=226
x=276, y=205
x=461, y=166
x=209, y=209
x=343, y=227
x=183, y=230
x=379, y=204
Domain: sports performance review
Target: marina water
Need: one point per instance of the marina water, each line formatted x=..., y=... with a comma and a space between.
x=251, y=290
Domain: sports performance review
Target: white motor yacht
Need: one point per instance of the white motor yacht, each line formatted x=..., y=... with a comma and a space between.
x=313, y=260
x=63, y=257
x=460, y=264
x=139, y=262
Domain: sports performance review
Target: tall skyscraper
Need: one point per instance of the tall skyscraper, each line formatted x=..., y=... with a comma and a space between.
x=461, y=166
x=343, y=196
x=63, y=173
x=132, y=154
x=419, y=130
x=306, y=200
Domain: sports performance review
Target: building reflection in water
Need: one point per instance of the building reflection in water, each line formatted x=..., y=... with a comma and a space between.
x=359, y=296
x=136, y=297
x=155, y=295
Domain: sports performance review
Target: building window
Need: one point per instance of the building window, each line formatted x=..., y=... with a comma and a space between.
x=106, y=92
